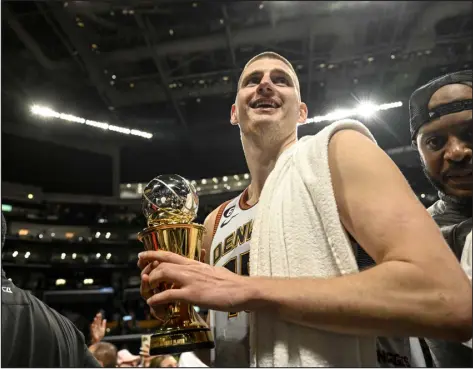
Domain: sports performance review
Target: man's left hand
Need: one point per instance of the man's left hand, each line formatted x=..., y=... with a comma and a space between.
x=196, y=283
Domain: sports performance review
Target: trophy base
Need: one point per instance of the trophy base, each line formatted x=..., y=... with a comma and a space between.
x=181, y=340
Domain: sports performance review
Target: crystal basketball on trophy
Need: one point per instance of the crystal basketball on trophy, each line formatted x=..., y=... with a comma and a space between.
x=170, y=204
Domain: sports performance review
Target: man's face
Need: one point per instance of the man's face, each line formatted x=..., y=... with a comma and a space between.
x=445, y=144
x=268, y=96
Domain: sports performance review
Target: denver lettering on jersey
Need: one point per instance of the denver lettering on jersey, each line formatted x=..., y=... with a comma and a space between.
x=234, y=239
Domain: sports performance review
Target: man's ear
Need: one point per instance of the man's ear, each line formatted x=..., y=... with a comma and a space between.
x=303, y=112
x=234, y=115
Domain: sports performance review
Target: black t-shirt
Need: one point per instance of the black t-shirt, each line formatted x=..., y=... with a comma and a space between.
x=453, y=216
x=34, y=335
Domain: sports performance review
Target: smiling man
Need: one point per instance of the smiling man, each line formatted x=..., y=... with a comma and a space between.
x=333, y=316
x=442, y=130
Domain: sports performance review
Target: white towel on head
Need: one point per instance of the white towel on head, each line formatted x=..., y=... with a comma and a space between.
x=298, y=233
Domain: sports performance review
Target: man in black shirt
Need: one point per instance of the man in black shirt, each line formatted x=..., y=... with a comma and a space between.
x=34, y=335
x=442, y=130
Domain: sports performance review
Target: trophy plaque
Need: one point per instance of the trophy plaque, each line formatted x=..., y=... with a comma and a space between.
x=170, y=204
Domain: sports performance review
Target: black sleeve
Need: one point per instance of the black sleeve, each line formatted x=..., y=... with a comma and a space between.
x=89, y=359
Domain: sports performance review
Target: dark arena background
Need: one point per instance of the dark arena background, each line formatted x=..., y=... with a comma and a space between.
x=100, y=97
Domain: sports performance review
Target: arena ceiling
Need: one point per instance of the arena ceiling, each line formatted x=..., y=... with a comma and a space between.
x=170, y=68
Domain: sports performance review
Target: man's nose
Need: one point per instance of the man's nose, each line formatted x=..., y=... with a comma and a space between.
x=457, y=150
x=266, y=86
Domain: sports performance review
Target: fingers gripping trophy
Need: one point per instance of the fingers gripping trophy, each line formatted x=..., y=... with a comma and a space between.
x=170, y=204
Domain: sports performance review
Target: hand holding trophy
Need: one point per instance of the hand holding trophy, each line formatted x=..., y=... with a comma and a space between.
x=170, y=204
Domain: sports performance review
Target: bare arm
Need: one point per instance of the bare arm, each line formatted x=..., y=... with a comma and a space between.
x=417, y=287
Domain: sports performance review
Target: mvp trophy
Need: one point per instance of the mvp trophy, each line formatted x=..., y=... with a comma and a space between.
x=170, y=204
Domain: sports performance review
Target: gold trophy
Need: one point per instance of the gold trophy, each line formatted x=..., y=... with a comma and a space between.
x=170, y=204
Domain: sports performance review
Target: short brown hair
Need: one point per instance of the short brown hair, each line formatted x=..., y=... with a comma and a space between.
x=106, y=353
x=272, y=55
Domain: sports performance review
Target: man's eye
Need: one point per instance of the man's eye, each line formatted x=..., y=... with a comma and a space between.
x=435, y=143
x=252, y=81
x=281, y=81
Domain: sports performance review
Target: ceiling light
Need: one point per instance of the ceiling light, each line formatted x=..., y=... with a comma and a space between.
x=40, y=236
x=53, y=234
x=88, y=281
x=114, y=76
x=204, y=181
x=370, y=59
x=63, y=255
x=23, y=232
x=97, y=234
x=236, y=177
x=97, y=255
x=107, y=235
x=108, y=256
x=215, y=180
x=171, y=32
x=60, y=282
x=215, y=187
x=367, y=109
x=246, y=176
x=198, y=100
x=27, y=255
x=422, y=195
x=322, y=65
x=347, y=113
x=74, y=255
x=221, y=21
x=393, y=56
x=69, y=235
x=225, y=78
x=225, y=178
x=14, y=254
x=30, y=196
x=261, y=6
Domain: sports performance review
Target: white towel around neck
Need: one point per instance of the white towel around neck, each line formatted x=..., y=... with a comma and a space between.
x=297, y=233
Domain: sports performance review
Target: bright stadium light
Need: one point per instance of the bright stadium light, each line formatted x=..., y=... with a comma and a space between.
x=46, y=112
x=365, y=109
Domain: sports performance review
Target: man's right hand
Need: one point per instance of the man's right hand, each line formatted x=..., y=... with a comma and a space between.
x=159, y=311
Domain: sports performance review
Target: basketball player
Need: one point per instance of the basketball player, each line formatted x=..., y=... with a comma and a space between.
x=403, y=295
x=442, y=131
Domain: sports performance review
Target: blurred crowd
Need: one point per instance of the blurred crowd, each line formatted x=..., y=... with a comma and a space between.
x=111, y=356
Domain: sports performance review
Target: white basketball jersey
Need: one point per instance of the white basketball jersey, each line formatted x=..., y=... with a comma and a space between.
x=231, y=249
